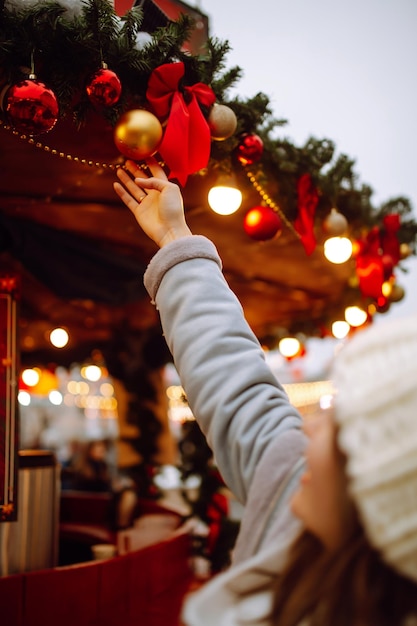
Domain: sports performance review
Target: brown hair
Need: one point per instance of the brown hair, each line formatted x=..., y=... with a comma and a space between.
x=351, y=587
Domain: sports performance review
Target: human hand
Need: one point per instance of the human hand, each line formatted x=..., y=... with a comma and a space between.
x=155, y=202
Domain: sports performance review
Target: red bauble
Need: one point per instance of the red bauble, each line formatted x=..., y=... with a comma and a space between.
x=250, y=149
x=262, y=223
x=31, y=107
x=382, y=304
x=104, y=89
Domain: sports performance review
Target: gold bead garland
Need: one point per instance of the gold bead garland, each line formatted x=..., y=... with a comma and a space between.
x=111, y=166
x=69, y=157
x=63, y=155
x=269, y=202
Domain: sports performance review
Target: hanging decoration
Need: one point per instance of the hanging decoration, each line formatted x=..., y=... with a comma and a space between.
x=186, y=143
x=396, y=294
x=249, y=149
x=138, y=134
x=105, y=88
x=307, y=200
x=389, y=237
x=262, y=223
x=335, y=224
x=160, y=98
x=222, y=122
x=31, y=107
x=369, y=267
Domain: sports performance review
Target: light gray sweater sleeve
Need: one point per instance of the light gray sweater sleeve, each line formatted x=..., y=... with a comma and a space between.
x=238, y=402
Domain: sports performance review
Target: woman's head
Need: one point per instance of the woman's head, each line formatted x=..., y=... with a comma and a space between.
x=322, y=501
x=367, y=454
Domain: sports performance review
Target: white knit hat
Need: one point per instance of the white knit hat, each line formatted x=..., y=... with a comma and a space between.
x=375, y=376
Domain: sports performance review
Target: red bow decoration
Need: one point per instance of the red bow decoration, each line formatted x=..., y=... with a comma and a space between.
x=369, y=267
x=389, y=239
x=307, y=199
x=186, y=143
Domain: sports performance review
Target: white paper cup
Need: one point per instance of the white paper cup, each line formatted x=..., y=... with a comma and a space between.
x=103, y=551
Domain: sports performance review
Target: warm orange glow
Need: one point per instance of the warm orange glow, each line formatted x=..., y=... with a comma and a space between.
x=254, y=217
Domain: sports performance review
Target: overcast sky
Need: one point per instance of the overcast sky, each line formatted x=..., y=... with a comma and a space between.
x=345, y=71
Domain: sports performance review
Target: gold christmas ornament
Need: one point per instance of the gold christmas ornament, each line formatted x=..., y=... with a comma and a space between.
x=222, y=122
x=335, y=223
x=138, y=134
x=405, y=250
x=397, y=293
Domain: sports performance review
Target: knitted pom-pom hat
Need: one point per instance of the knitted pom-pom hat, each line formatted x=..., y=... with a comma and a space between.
x=375, y=376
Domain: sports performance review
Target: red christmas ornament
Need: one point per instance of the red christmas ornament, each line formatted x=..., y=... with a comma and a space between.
x=382, y=304
x=31, y=107
x=104, y=89
x=250, y=149
x=262, y=223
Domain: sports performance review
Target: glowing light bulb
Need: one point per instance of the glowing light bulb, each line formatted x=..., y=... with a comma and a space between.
x=338, y=249
x=340, y=329
x=23, y=398
x=289, y=346
x=91, y=372
x=59, y=337
x=386, y=288
x=355, y=316
x=326, y=401
x=55, y=398
x=31, y=377
x=224, y=200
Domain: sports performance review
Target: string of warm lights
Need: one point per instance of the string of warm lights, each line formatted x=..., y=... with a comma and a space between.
x=36, y=382
x=305, y=396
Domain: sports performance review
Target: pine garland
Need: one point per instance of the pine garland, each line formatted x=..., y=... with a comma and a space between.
x=65, y=52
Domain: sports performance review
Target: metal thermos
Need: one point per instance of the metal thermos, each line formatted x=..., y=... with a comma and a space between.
x=31, y=542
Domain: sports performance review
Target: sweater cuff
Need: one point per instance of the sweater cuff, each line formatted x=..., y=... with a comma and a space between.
x=178, y=251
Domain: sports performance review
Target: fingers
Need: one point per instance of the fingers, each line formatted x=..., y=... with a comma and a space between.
x=156, y=169
x=126, y=197
x=153, y=183
x=134, y=188
x=151, y=164
x=135, y=169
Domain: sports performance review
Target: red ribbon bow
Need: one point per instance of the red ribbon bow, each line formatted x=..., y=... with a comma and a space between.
x=308, y=198
x=389, y=238
x=186, y=143
x=369, y=268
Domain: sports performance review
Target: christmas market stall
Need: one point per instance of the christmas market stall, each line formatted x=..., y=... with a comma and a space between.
x=84, y=86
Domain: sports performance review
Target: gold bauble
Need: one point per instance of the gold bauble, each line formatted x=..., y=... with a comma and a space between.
x=405, y=250
x=397, y=293
x=138, y=134
x=222, y=122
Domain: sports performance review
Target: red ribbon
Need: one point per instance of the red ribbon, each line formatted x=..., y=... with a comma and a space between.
x=186, y=143
x=389, y=239
x=308, y=199
x=369, y=268
x=370, y=262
